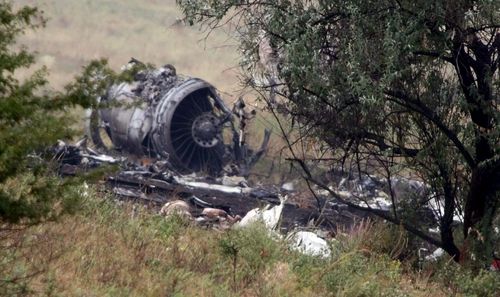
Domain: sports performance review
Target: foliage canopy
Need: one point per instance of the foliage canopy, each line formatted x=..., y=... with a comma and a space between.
x=390, y=87
x=31, y=120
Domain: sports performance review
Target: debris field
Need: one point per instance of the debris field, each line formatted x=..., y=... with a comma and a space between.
x=179, y=149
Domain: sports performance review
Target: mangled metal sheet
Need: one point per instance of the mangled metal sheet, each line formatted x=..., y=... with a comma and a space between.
x=183, y=120
x=155, y=185
x=309, y=243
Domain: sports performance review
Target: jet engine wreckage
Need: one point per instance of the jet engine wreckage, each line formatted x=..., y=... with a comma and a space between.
x=180, y=120
x=179, y=147
x=193, y=142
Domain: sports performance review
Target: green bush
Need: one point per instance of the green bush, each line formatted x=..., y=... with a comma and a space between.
x=460, y=280
x=31, y=119
x=250, y=250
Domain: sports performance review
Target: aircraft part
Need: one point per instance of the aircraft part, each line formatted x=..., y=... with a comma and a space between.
x=162, y=115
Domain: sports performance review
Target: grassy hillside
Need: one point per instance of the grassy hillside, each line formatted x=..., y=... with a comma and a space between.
x=115, y=249
x=80, y=30
x=111, y=249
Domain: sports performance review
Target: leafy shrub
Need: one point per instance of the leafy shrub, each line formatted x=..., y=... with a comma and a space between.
x=461, y=280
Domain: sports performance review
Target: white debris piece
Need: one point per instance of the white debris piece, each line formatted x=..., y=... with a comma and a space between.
x=309, y=243
x=102, y=158
x=270, y=216
x=207, y=186
x=380, y=203
x=438, y=253
x=60, y=143
x=434, y=230
x=250, y=218
x=234, y=181
x=289, y=186
x=342, y=182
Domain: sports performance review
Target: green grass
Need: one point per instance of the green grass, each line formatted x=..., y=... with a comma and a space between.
x=109, y=249
x=112, y=248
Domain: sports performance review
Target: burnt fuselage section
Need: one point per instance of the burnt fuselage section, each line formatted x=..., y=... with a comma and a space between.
x=162, y=115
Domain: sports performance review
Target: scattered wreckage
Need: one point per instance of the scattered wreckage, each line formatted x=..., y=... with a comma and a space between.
x=208, y=201
x=181, y=150
x=218, y=203
x=154, y=184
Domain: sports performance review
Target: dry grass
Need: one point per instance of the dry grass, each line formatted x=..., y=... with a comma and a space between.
x=110, y=249
x=111, y=254
x=78, y=31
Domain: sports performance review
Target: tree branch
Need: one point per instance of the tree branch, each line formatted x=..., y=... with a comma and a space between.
x=434, y=55
x=425, y=111
x=377, y=212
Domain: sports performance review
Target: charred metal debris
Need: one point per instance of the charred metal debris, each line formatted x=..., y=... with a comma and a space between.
x=172, y=137
x=180, y=120
x=179, y=149
x=153, y=184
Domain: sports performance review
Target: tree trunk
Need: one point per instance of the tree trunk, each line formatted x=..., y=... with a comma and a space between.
x=475, y=77
x=446, y=223
x=483, y=194
x=481, y=204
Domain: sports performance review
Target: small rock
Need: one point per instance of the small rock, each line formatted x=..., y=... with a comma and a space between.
x=234, y=219
x=214, y=213
x=177, y=207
